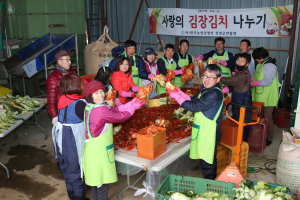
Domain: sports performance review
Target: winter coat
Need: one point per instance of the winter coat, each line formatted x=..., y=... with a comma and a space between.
x=53, y=93
x=208, y=104
x=122, y=82
x=118, y=52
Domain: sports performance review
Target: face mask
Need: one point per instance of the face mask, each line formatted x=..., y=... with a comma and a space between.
x=239, y=68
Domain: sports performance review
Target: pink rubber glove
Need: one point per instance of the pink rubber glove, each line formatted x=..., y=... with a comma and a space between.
x=118, y=102
x=135, y=89
x=177, y=72
x=200, y=57
x=225, y=90
x=183, y=94
x=166, y=78
x=150, y=76
x=233, y=73
x=127, y=94
x=222, y=62
x=136, y=104
x=132, y=106
x=221, y=76
x=254, y=83
x=125, y=107
x=252, y=77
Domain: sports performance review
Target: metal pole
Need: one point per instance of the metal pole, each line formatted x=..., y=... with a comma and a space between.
x=24, y=87
x=77, y=60
x=291, y=54
x=136, y=17
x=177, y=37
x=45, y=63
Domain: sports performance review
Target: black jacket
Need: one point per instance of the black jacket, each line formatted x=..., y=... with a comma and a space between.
x=209, y=104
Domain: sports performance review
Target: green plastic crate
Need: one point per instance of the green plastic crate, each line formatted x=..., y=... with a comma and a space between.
x=273, y=186
x=197, y=185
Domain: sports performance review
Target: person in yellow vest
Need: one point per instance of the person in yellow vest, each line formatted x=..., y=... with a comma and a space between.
x=138, y=66
x=98, y=160
x=265, y=85
x=219, y=54
x=166, y=62
x=207, y=107
x=182, y=58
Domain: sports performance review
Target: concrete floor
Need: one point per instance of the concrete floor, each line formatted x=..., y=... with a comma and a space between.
x=34, y=176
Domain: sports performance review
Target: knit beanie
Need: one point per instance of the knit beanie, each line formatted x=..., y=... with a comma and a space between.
x=91, y=86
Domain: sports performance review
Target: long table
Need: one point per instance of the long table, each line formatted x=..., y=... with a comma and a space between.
x=17, y=123
x=175, y=160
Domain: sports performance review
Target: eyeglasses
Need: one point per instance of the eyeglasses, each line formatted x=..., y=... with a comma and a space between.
x=66, y=59
x=209, y=78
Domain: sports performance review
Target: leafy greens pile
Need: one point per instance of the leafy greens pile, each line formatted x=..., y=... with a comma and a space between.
x=11, y=106
x=261, y=191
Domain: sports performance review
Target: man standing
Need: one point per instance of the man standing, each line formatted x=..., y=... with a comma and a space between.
x=137, y=63
x=53, y=94
x=219, y=54
x=166, y=62
x=245, y=47
x=182, y=58
x=207, y=107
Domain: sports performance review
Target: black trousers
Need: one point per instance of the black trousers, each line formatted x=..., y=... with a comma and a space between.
x=100, y=193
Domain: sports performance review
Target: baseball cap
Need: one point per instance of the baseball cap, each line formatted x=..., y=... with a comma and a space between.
x=62, y=53
x=149, y=51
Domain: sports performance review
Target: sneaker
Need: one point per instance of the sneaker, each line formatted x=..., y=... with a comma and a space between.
x=268, y=142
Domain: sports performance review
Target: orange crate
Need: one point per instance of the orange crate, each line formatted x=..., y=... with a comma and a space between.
x=151, y=147
x=229, y=130
x=243, y=156
x=223, y=158
x=260, y=106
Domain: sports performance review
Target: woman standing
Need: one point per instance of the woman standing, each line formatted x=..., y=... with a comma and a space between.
x=68, y=135
x=122, y=81
x=151, y=67
x=98, y=161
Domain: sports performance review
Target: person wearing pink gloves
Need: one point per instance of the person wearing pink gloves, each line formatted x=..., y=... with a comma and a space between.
x=241, y=92
x=98, y=163
x=166, y=62
x=122, y=81
x=265, y=86
x=219, y=54
x=207, y=107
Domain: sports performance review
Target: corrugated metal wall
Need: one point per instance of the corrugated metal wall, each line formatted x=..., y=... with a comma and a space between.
x=127, y=11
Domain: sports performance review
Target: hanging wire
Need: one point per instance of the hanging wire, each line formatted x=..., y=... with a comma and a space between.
x=142, y=34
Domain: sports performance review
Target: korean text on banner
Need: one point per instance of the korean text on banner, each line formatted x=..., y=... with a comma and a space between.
x=254, y=22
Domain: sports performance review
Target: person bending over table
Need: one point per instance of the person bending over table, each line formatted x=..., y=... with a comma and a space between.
x=138, y=71
x=265, y=86
x=219, y=54
x=207, y=107
x=122, y=81
x=241, y=92
x=166, y=62
x=98, y=159
x=182, y=58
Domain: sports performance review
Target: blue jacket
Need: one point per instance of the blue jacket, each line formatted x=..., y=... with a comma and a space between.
x=208, y=104
x=140, y=64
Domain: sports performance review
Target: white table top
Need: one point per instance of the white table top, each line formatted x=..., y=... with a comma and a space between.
x=174, y=150
x=22, y=116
